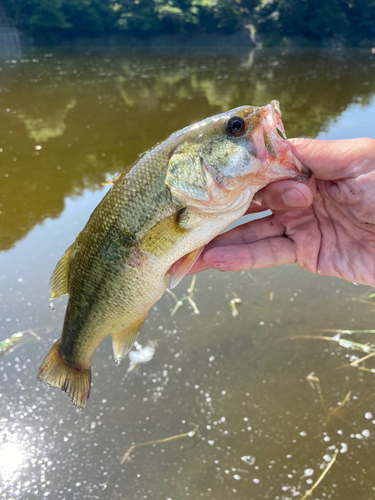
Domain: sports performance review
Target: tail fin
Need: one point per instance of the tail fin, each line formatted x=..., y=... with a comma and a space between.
x=56, y=372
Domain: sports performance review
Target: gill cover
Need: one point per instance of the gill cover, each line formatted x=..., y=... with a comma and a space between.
x=186, y=173
x=219, y=152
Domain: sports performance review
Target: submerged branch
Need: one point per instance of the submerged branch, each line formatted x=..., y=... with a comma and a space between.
x=355, y=363
x=188, y=297
x=192, y=433
x=335, y=411
x=333, y=459
x=314, y=383
x=16, y=340
x=342, y=342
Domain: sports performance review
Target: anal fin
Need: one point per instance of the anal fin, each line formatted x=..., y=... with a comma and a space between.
x=58, y=284
x=123, y=341
x=184, y=265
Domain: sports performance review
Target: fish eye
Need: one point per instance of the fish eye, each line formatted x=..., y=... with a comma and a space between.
x=235, y=126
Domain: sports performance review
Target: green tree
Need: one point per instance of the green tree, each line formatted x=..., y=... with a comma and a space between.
x=227, y=14
x=48, y=14
x=89, y=17
x=137, y=15
x=51, y=20
x=362, y=17
x=307, y=18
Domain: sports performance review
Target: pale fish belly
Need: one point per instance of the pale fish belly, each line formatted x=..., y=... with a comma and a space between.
x=207, y=227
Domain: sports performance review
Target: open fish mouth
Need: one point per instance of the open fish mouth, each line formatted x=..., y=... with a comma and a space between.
x=268, y=141
x=281, y=134
x=305, y=172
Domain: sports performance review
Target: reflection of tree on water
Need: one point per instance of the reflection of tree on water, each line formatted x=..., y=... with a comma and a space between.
x=40, y=129
x=94, y=115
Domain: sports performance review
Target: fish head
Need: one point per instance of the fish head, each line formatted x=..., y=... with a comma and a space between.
x=228, y=157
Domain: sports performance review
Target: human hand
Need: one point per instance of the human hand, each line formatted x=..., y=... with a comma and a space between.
x=326, y=225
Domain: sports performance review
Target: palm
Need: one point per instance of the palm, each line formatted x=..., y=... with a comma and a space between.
x=333, y=236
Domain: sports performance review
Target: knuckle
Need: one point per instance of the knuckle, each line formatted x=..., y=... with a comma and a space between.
x=247, y=233
x=249, y=258
x=274, y=251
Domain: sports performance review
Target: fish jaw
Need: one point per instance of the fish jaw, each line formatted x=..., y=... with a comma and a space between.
x=208, y=172
x=219, y=200
x=273, y=151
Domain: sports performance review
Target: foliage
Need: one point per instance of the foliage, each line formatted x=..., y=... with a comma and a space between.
x=312, y=19
x=51, y=20
x=309, y=18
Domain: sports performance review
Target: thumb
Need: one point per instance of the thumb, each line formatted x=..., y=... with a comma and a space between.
x=284, y=195
x=330, y=160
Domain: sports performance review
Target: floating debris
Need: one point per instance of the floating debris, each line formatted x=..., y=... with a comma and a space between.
x=141, y=355
x=233, y=304
x=248, y=459
x=192, y=433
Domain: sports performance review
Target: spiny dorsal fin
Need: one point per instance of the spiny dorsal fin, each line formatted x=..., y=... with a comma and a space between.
x=123, y=341
x=58, y=284
x=183, y=266
x=113, y=180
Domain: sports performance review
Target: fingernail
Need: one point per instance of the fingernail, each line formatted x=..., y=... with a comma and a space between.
x=294, y=198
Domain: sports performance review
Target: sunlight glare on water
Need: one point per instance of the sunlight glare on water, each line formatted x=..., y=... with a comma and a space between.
x=12, y=457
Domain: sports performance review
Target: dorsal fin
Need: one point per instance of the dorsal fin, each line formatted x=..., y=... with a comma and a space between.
x=113, y=180
x=58, y=284
x=123, y=341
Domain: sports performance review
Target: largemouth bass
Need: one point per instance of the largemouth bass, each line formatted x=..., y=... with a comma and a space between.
x=173, y=201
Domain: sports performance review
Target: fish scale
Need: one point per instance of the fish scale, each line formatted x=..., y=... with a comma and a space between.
x=161, y=211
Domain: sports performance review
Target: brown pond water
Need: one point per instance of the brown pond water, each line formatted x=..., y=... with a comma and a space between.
x=71, y=120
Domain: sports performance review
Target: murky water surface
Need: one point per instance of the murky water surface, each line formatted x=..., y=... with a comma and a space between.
x=69, y=121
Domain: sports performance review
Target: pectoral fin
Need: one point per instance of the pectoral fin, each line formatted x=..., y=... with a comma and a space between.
x=184, y=266
x=123, y=341
x=58, y=284
x=164, y=235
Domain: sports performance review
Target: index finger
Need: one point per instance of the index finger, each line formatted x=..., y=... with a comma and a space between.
x=331, y=160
